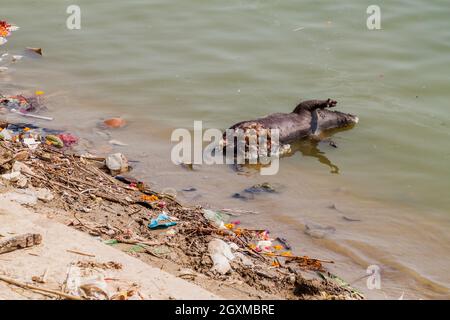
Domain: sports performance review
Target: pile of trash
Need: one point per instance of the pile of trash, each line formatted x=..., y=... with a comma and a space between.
x=26, y=106
x=31, y=135
x=88, y=280
x=19, y=103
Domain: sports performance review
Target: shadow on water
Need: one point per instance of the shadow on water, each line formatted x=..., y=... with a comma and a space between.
x=312, y=148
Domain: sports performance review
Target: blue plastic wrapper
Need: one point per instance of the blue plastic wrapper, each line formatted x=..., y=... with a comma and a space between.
x=159, y=223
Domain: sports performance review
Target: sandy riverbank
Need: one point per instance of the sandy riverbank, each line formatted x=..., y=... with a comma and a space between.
x=53, y=258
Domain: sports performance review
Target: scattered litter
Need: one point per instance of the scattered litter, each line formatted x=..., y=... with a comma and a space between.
x=215, y=218
x=221, y=255
x=32, y=136
x=5, y=134
x=68, y=139
x=285, y=243
x=151, y=198
x=25, y=106
x=5, y=31
x=264, y=246
x=31, y=143
x=42, y=278
x=82, y=182
x=161, y=222
x=20, y=103
x=91, y=280
x=44, y=194
x=116, y=163
x=29, y=115
x=38, y=289
x=54, y=141
x=89, y=287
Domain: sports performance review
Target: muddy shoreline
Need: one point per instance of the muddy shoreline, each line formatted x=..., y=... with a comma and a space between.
x=118, y=210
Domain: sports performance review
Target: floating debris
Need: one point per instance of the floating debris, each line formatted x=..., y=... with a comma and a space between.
x=259, y=188
x=350, y=219
x=241, y=196
x=5, y=31
x=114, y=123
x=35, y=50
x=318, y=231
x=24, y=105
x=191, y=189
x=20, y=103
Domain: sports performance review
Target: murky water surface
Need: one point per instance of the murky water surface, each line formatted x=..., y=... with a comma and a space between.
x=163, y=64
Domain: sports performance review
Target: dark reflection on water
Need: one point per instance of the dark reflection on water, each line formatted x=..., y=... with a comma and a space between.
x=314, y=147
x=311, y=148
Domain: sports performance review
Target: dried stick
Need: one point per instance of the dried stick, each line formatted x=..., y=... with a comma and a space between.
x=38, y=289
x=81, y=253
